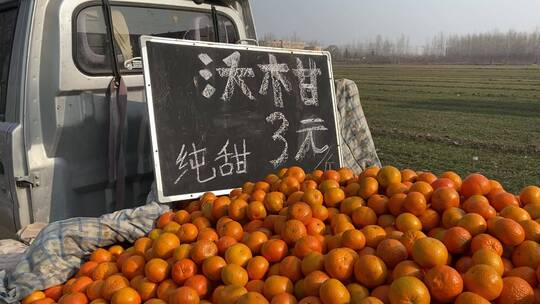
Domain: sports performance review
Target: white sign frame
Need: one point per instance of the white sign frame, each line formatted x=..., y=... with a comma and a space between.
x=144, y=39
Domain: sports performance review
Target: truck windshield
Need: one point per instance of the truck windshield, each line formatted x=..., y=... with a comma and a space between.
x=130, y=22
x=8, y=18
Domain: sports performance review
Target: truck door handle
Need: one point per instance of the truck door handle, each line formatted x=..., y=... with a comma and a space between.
x=133, y=63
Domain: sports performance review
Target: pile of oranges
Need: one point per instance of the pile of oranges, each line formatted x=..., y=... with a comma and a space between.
x=332, y=237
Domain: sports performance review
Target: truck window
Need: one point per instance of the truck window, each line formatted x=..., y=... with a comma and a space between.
x=8, y=18
x=130, y=22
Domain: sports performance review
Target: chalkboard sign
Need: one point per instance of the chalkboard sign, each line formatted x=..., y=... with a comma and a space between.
x=221, y=114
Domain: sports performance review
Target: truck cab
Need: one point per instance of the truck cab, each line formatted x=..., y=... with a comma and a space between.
x=55, y=113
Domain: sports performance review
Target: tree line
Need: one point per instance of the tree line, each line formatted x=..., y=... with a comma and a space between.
x=482, y=48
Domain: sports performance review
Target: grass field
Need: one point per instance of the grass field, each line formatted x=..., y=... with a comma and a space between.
x=438, y=118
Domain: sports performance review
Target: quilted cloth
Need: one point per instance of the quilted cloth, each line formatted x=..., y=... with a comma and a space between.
x=60, y=248
x=357, y=148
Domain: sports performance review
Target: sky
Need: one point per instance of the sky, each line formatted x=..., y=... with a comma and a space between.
x=344, y=21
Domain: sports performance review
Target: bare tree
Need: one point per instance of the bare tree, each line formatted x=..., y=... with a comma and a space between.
x=479, y=48
x=268, y=37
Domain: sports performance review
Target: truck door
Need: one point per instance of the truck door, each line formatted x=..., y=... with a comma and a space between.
x=14, y=207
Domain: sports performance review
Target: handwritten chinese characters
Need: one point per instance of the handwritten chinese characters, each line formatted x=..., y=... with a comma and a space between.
x=308, y=90
x=229, y=160
x=275, y=71
x=309, y=142
x=275, y=76
x=235, y=77
x=209, y=90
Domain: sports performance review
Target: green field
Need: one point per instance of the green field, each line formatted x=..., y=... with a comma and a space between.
x=438, y=118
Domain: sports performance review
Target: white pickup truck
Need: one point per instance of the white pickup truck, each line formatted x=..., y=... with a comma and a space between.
x=60, y=134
